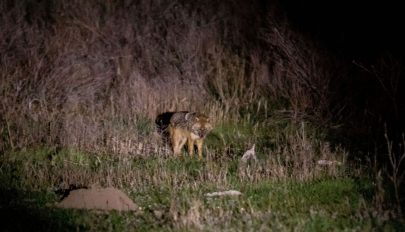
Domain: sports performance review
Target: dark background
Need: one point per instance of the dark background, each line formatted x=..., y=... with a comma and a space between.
x=368, y=37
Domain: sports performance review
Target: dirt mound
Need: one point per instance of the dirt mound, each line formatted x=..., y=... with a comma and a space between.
x=98, y=198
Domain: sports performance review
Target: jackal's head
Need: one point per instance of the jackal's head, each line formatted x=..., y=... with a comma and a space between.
x=201, y=125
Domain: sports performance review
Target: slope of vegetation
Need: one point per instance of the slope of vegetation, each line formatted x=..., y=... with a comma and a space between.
x=81, y=83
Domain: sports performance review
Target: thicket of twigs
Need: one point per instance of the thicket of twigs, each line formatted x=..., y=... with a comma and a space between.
x=91, y=75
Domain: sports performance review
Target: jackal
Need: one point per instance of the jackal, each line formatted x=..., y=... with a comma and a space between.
x=190, y=127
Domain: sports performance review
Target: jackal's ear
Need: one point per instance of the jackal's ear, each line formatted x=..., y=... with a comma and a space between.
x=189, y=115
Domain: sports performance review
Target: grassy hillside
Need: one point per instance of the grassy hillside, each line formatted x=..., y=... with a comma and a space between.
x=90, y=75
x=82, y=82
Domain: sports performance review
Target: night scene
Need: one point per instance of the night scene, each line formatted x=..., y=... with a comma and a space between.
x=204, y=115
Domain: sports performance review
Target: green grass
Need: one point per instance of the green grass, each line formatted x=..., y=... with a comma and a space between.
x=171, y=195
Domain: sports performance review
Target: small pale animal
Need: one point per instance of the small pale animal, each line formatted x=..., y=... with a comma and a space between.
x=249, y=155
x=190, y=127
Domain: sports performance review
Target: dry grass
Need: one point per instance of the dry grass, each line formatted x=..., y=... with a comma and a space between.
x=91, y=75
x=81, y=83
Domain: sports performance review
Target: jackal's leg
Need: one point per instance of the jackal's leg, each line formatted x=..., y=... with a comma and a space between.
x=178, y=144
x=182, y=141
x=190, y=146
x=173, y=140
x=177, y=141
x=199, y=148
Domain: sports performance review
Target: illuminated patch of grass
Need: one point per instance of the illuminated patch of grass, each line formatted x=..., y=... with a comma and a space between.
x=171, y=194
